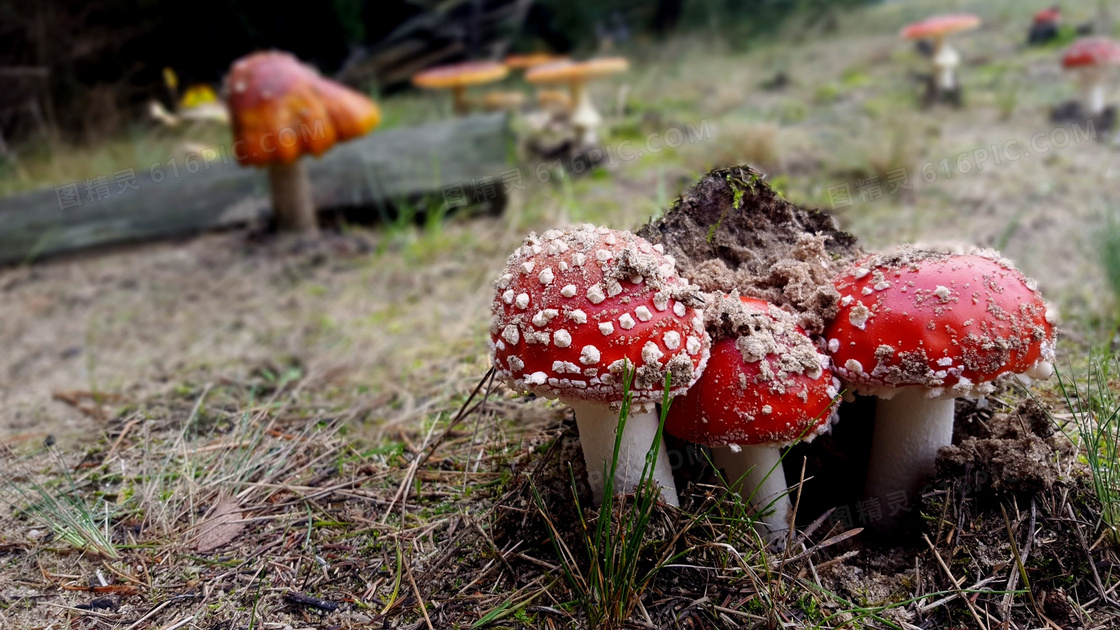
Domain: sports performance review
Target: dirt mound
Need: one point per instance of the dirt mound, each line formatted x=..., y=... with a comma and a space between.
x=732, y=231
x=1003, y=454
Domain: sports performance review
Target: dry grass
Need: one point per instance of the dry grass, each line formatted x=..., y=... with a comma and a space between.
x=453, y=521
x=757, y=145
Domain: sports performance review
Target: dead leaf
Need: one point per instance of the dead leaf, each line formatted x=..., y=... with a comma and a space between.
x=220, y=528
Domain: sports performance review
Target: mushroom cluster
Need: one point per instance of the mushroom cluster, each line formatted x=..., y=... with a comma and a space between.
x=579, y=312
x=574, y=110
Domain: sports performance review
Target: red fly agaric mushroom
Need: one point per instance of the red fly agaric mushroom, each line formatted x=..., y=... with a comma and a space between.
x=945, y=59
x=585, y=118
x=280, y=109
x=1089, y=57
x=919, y=329
x=457, y=77
x=1045, y=26
x=765, y=387
x=576, y=310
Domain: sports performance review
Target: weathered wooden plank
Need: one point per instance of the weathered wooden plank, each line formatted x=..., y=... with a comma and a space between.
x=171, y=200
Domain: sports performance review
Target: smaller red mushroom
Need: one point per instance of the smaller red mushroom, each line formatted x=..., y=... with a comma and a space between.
x=1089, y=57
x=765, y=387
x=575, y=312
x=1051, y=15
x=919, y=329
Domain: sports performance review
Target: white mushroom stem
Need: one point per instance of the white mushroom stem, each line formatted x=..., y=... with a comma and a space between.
x=945, y=62
x=597, y=423
x=756, y=473
x=291, y=198
x=909, y=430
x=1092, y=82
x=585, y=118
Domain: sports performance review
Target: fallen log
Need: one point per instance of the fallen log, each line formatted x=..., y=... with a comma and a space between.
x=208, y=190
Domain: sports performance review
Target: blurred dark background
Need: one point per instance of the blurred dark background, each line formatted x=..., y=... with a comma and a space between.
x=82, y=70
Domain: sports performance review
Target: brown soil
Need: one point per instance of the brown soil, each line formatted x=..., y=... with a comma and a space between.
x=732, y=231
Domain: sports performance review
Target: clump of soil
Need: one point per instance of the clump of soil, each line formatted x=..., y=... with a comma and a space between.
x=1003, y=454
x=731, y=231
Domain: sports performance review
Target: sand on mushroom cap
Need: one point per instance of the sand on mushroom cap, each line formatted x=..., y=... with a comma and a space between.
x=765, y=386
x=577, y=309
x=589, y=287
x=279, y=110
x=919, y=329
x=985, y=328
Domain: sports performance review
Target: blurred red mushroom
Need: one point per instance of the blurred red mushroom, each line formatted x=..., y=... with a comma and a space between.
x=1045, y=26
x=765, y=387
x=279, y=110
x=1052, y=15
x=1089, y=57
x=919, y=329
x=575, y=311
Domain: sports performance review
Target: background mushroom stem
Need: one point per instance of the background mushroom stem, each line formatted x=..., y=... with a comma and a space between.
x=945, y=62
x=755, y=472
x=291, y=197
x=909, y=430
x=460, y=101
x=597, y=423
x=1092, y=82
x=585, y=118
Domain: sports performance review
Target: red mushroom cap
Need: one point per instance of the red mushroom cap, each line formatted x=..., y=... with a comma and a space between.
x=1091, y=51
x=949, y=323
x=765, y=384
x=574, y=307
x=940, y=26
x=1046, y=16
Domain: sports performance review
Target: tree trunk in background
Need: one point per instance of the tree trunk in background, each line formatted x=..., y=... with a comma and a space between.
x=455, y=163
x=668, y=15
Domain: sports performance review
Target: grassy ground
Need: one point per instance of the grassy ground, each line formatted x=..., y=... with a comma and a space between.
x=251, y=420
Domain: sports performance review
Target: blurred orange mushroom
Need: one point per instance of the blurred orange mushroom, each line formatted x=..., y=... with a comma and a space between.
x=281, y=109
x=460, y=76
x=585, y=118
x=531, y=60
